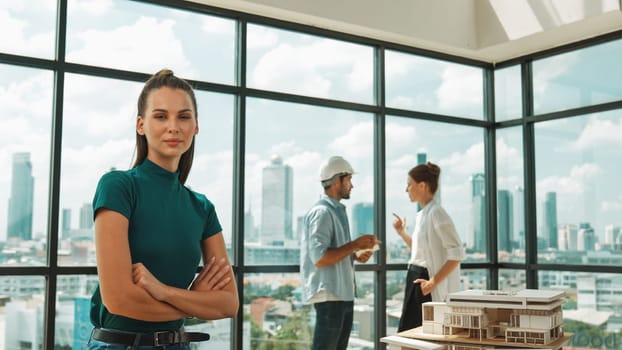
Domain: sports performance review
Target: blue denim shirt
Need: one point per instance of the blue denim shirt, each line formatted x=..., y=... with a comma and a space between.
x=326, y=226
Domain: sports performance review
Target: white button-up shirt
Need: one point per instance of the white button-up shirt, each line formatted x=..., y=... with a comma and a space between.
x=434, y=241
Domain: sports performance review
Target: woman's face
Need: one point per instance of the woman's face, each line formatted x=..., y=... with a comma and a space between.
x=415, y=189
x=169, y=124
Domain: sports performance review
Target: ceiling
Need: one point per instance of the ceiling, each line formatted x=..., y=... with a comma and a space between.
x=485, y=30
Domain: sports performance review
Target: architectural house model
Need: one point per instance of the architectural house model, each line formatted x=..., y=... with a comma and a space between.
x=512, y=318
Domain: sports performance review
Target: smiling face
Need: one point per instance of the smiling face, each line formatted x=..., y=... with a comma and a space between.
x=169, y=124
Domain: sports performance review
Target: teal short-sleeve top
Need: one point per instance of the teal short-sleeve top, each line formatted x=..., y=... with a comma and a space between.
x=167, y=222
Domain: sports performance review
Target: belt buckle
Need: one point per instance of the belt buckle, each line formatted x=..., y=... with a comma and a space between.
x=169, y=339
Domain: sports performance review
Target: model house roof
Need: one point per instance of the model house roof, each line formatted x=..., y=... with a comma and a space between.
x=532, y=299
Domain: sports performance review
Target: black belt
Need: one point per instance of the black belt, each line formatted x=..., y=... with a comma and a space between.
x=412, y=267
x=148, y=339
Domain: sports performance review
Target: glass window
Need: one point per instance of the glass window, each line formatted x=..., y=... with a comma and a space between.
x=591, y=311
x=22, y=312
x=304, y=64
x=396, y=283
x=73, y=305
x=99, y=133
x=274, y=316
x=286, y=144
x=579, y=78
x=28, y=28
x=26, y=100
x=212, y=168
x=433, y=86
x=146, y=38
x=579, y=199
x=512, y=279
x=508, y=96
x=474, y=279
x=363, y=333
x=459, y=152
x=510, y=195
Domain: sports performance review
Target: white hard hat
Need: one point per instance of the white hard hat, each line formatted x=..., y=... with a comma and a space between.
x=335, y=165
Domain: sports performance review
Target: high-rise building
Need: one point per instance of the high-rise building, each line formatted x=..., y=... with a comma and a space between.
x=567, y=237
x=586, y=240
x=477, y=237
x=65, y=223
x=86, y=216
x=362, y=219
x=422, y=158
x=611, y=234
x=21, y=200
x=250, y=231
x=519, y=217
x=504, y=220
x=550, y=219
x=276, y=202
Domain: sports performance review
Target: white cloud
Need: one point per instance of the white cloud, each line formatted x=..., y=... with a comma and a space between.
x=82, y=167
x=135, y=47
x=91, y=7
x=305, y=69
x=509, y=163
x=286, y=66
x=15, y=39
x=284, y=149
x=215, y=25
x=356, y=143
x=400, y=135
x=461, y=88
x=613, y=205
x=508, y=154
x=599, y=132
x=27, y=111
x=574, y=183
x=549, y=69
x=465, y=163
x=261, y=37
x=93, y=115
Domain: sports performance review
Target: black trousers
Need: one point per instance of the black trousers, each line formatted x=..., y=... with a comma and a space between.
x=413, y=298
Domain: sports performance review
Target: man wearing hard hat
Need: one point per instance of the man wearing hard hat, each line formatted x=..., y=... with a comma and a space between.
x=327, y=258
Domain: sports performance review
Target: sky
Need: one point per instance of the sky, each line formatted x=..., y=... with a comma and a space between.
x=577, y=157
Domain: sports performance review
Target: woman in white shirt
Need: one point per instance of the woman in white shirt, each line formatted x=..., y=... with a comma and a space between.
x=436, y=249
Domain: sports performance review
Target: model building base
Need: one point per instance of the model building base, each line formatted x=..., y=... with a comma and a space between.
x=464, y=342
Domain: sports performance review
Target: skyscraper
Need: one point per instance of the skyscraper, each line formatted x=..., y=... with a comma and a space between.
x=586, y=240
x=422, y=158
x=65, y=223
x=21, y=199
x=519, y=217
x=567, y=237
x=477, y=238
x=611, y=234
x=362, y=219
x=504, y=220
x=550, y=219
x=86, y=216
x=276, y=202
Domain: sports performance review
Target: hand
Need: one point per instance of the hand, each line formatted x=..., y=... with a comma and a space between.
x=426, y=286
x=143, y=278
x=363, y=257
x=366, y=242
x=213, y=276
x=399, y=224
